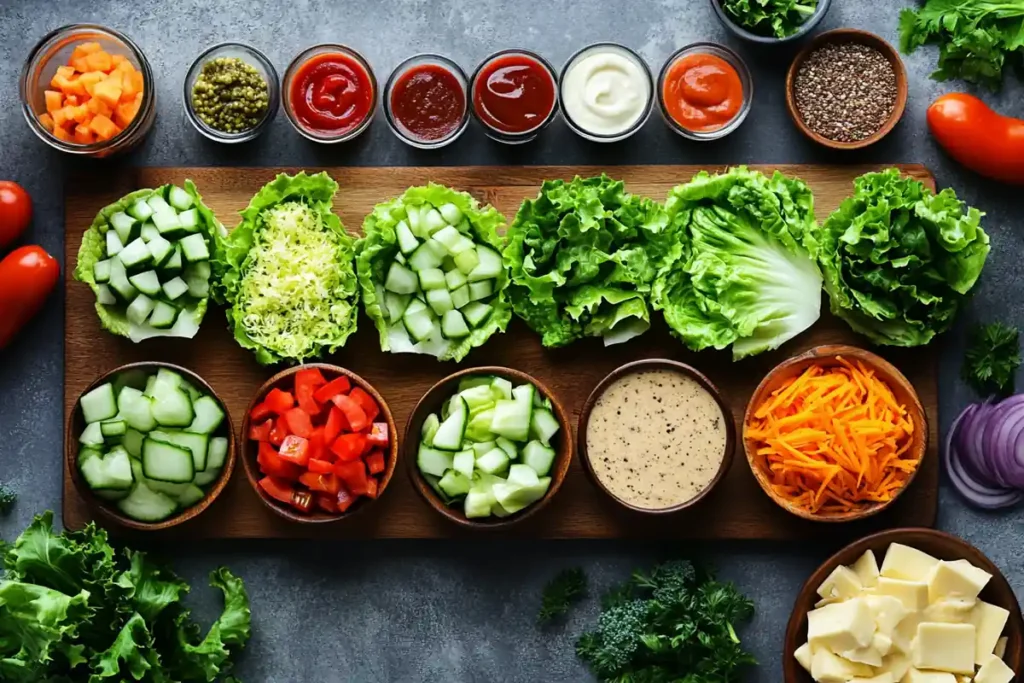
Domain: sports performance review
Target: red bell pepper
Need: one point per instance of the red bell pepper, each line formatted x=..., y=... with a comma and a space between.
x=338, y=385
x=375, y=462
x=336, y=422
x=326, y=503
x=366, y=402
x=286, y=493
x=353, y=412
x=295, y=450
x=271, y=463
x=260, y=431
x=298, y=422
x=353, y=476
x=324, y=483
x=279, y=432
x=279, y=401
x=260, y=412
x=372, y=487
x=307, y=381
x=317, y=445
x=320, y=466
x=344, y=500
x=349, y=447
x=378, y=435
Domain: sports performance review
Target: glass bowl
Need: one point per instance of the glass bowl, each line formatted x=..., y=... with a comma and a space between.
x=632, y=56
x=403, y=133
x=746, y=80
x=55, y=50
x=505, y=136
x=327, y=137
x=254, y=58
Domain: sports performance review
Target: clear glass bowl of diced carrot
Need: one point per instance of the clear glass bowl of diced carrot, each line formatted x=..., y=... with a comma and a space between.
x=88, y=90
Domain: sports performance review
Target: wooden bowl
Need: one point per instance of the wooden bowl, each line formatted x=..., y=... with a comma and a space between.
x=901, y=387
x=431, y=403
x=656, y=364
x=849, y=35
x=935, y=543
x=107, y=509
x=250, y=449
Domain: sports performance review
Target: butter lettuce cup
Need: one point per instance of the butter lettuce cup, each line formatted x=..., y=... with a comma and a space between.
x=982, y=629
x=679, y=453
x=606, y=92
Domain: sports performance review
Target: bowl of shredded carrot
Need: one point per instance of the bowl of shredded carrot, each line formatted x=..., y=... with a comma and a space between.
x=835, y=434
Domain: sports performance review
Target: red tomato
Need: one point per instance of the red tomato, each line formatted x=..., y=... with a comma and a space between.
x=378, y=435
x=326, y=503
x=260, y=431
x=353, y=412
x=375, y=462
x=365, y=402
x=339, y=385
x=982, y=140
x=371, y=488
x=15, y=211
x=323, y=483
x=286, y=493
x=320, y=466
x=271, y=463
x=260, y=411
x=317, y=445
x=335, y=424
x=349, y=446
x=307, y=381
x=27, y=276
x=353, y=476
x=294, y=449
x=279, y=401
x=279, y=431
x=298, y=422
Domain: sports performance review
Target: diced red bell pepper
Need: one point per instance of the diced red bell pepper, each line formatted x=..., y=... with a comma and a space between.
x=307, y=381
x=353, y=412
x=344, y=500
x=271, y=464
x=336, y=422
x=324, y=483
x=338, y=385
x=260, y=431
x=279, y=432
x=294, y=449
x=298, y=422
x=260, y=412
x=317, y=445
x=349, y=447
x=353, y=476
x=319, y=466
x=378, y=435
x=326, y=503
x=372, y=488
x=279, y=401
x=286, y=493
x=366, y=402
x=375, y=462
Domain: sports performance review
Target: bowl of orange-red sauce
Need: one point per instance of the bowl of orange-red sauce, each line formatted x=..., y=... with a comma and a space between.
x=705, y=91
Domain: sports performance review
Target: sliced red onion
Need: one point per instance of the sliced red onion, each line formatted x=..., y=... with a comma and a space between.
x=1006, y=425
x=971, y=446
x=973, y=491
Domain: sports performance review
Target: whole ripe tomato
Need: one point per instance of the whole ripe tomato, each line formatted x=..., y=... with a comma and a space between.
x=27, y=276
x=15, y=211
x=982, y=140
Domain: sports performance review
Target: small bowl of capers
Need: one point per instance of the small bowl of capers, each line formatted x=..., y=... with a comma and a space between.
x=231, y=93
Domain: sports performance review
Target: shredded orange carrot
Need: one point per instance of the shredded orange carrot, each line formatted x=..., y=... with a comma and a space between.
x=834, y=438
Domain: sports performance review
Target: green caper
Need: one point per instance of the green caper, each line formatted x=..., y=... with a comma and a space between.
x=230, y=95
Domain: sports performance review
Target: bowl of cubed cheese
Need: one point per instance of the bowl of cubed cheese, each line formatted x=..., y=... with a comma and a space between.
x=905, y=606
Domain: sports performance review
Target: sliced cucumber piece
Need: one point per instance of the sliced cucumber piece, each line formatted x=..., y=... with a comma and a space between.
x=139, y=309
x=460, y=296
x=396, y=305
x=453, y=325
x=450, y=213
x=454, y=484
x=209, y=415
x=105, y=295
x=146, y=282
x=149, y=232
x=161, y=250
x=432, y=461
x=141, y=210
x=163, y=316
x=419, y=321
x=174, y=263
x=99, y=404
x=501, y=388
x=479, y=428
x=440, y=301
x=510, y=448
x=197, y=444
x=126, y=227
x=480, y=290
x=113, y=428
x=462, y=244
x=112, y=472
x=424, y=257
x=135, y=255
x=169, y=378
x=407, y=242
x=481, y=447
x=512, y=419
x=539, y=457
x=467, y=261
x=119, y=281
x=490, y=265
x=101, y=271
x=168, y=462
x=464, y=462
x=189, y=220
x=429, y=428
x=171, y=406
x=159, y=205
x=454, y=279
x=479, y=502
x=401, y=280
x=412, y=215
x=217, y=453
x=92, y=435
x=168, y=488
x=432, y=278
x=543, y=426
x=132, y=442
x=114, y=243
x=524, y=393
x=136, y=408
x=206, y=477
x=174, y=288
x=450, y=434
x=146, y=505
x=494, y=461
x=194, y=248
x=168, y=225
x=440, y=252
x=179, y=198
x=431, y=221
x=191, y=495
x=476, y=313
x=447, y=236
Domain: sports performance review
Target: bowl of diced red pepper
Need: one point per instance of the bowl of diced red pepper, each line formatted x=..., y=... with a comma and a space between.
x=319, y=443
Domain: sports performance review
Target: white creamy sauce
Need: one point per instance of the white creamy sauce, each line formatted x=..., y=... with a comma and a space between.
x=606, y=91
x=656, y=438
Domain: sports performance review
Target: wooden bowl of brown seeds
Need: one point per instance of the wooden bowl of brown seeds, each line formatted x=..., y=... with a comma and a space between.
x=847, y=89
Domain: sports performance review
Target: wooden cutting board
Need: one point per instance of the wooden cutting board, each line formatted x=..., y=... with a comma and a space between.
x=738, y=509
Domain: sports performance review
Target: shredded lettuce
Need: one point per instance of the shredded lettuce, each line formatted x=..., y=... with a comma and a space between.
x=286, y=272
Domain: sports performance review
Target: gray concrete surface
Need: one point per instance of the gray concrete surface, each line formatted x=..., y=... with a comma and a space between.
x=455, y=611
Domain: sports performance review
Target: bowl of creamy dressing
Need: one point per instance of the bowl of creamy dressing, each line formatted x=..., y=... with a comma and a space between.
x=656, y=436
x=606, y=93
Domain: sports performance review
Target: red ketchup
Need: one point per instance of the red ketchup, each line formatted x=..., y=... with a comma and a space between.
x=428, y=102
x=331, y=93
x=513, y=93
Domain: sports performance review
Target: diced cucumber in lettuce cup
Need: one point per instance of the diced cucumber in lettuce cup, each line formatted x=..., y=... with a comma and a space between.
x=286, y=272
x=432, y=273
x=147, y=259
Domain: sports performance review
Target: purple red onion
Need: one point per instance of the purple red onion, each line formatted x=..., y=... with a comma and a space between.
x=985, y=453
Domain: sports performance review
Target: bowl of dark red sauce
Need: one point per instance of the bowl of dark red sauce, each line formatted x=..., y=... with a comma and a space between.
x=330, y=93
x=515, y=95
x=426, y=101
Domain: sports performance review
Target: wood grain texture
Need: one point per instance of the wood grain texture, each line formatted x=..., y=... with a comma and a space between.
x=737, y=509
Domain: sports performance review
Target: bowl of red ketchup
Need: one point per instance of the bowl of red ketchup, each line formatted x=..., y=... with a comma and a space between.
x=426, y=102
x=330, y=93
x=514, y=95
x=705, y=91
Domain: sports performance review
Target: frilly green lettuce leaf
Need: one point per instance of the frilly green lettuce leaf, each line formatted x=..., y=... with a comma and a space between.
x=112, y=318
x=898, y=259
x=131, y=654
x=745, y=275
x=258, y=315
x=583, y=257
x=35, y=624
x=377, y=249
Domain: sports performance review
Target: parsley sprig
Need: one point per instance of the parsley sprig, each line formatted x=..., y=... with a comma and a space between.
x=569, y=586
x=992, y=358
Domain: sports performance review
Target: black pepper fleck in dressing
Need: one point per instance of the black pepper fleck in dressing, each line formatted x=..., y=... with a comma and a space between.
x=656, y=438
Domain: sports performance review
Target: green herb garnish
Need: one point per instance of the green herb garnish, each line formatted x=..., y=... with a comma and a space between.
x=7, y=498
x=568, y=587
x=976, y=38
x=992, y=358
x=779, y=18
x=672, y=624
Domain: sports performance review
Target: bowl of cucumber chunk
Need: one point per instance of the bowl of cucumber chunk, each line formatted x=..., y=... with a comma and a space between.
x=487, y=447
x=150, y=445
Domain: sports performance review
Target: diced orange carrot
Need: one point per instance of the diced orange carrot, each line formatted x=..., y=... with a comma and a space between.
x=82, y=114
x=54, y=100
x=127, y=86
x=126, y=111
x=108, y=90
x=69, y=86
x=138, y=82
x=98, y=106
x=47, y=121
x=72, y=100
x=59, y=117
x=99, y=61
x=61, y=133
x=117, y=60
x=83, y=49
x=90, y=79
x=64, y=72
x=83, y=135
x=103, y=127
x=80, y=64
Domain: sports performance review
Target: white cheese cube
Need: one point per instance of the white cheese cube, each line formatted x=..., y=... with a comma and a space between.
x=888, y=612
x=904, y=635
x=840, y=627
x=906, y=563
x=945, y=647
x=1000, y=649
x=959, y=579
x=828, y=668
x=880, y=678
x=866, y=655
x=949, y=610
x=897, y=664
x=915, y=676
x=803, y=656
x=842, y=583
x=882, y=643
x=994, y=670
x=913, y=594
x=866, y=568
x=989, y=621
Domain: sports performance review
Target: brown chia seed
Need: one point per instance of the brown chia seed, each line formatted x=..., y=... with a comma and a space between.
x=845, y=91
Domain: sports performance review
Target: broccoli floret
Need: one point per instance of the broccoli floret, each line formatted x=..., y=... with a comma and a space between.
x=7, y=498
